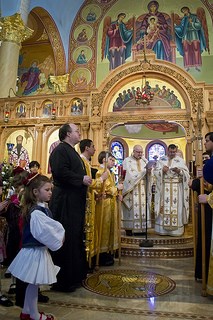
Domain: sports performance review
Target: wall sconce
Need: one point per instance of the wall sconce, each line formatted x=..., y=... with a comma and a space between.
x=53, y=115
x=6, y=116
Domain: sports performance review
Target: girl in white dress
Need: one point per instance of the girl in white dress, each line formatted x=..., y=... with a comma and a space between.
x=33, y=264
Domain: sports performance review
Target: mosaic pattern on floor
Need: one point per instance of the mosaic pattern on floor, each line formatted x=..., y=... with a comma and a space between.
x=129, y=284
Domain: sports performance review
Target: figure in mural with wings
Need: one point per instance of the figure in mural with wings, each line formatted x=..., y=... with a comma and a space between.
x=191, y=37
x=117, y=40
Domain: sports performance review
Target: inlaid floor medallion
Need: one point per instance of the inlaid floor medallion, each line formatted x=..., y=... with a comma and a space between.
x=129, y=284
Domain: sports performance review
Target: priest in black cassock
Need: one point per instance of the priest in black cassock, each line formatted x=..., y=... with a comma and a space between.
x=68, y=207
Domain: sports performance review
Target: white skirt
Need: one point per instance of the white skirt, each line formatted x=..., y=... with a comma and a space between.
x=34, y=265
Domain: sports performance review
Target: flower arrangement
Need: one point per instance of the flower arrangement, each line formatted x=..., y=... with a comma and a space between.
x=6, y=174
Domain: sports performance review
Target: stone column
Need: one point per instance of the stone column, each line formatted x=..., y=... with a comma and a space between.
x=12, y=33
x=96, y=134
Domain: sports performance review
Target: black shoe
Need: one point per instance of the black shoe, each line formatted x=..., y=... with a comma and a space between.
x=4, y=301
x=12, y=289
x=65, y=289
x=42, y=298
x=7, y=275
x=106, y=259
x=109, y=263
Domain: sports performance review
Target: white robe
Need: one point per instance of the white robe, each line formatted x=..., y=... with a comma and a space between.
x=171, y=197
x=134, y=195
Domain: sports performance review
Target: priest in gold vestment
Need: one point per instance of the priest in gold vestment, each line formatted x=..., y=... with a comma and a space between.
x=172, y=194
x=107, y=211
x=87, y=149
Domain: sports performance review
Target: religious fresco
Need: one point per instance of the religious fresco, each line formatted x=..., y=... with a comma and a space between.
x=21, y=110
x=47, y=109
x=81, y=77
x=133, y=97
x=82, y=55
x=91, y=13
x=117, y=40
x=76, y=107
x=35, y=77
x=159, y=28
x=192, y=36
x=153, y=31
x=106, y=35
x=83, y=33
x=159, y=32
x=11, y=144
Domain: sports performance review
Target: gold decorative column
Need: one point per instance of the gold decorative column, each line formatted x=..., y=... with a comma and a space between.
x=98, y=145
x=12, y=33
x=37, y=151
x=84, y=131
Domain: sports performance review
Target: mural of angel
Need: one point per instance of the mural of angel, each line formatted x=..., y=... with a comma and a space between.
x=157, y=28
x=117, y=40
x=192, y=37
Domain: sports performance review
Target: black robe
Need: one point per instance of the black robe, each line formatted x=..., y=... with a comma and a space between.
x=68, y=207
x=208, y=232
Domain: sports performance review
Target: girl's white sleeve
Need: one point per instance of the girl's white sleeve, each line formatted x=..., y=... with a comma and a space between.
x=47, y=230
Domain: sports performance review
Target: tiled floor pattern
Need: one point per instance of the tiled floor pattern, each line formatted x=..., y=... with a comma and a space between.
x=184, y=303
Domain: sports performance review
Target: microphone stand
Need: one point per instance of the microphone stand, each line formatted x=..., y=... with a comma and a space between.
x=146, y=242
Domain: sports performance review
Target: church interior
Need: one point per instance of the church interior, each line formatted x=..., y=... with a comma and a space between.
x=59, y=66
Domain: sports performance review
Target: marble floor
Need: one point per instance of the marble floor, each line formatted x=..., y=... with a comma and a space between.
x=184, y=302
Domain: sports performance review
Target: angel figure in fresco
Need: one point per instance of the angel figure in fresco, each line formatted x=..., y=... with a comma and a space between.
x=156, y=26
x=192, y=37
x=117, y=40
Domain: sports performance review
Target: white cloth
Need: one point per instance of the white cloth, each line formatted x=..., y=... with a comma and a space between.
x=34, y=265
x=171, y=197
x=135, y=187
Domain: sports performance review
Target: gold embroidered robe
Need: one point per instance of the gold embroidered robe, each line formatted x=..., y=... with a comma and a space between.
x=91, y=239
x=134, y=195
x=171, y=197
x=107, y=207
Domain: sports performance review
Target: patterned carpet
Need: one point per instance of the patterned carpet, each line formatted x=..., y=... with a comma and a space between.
x=129, y=284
